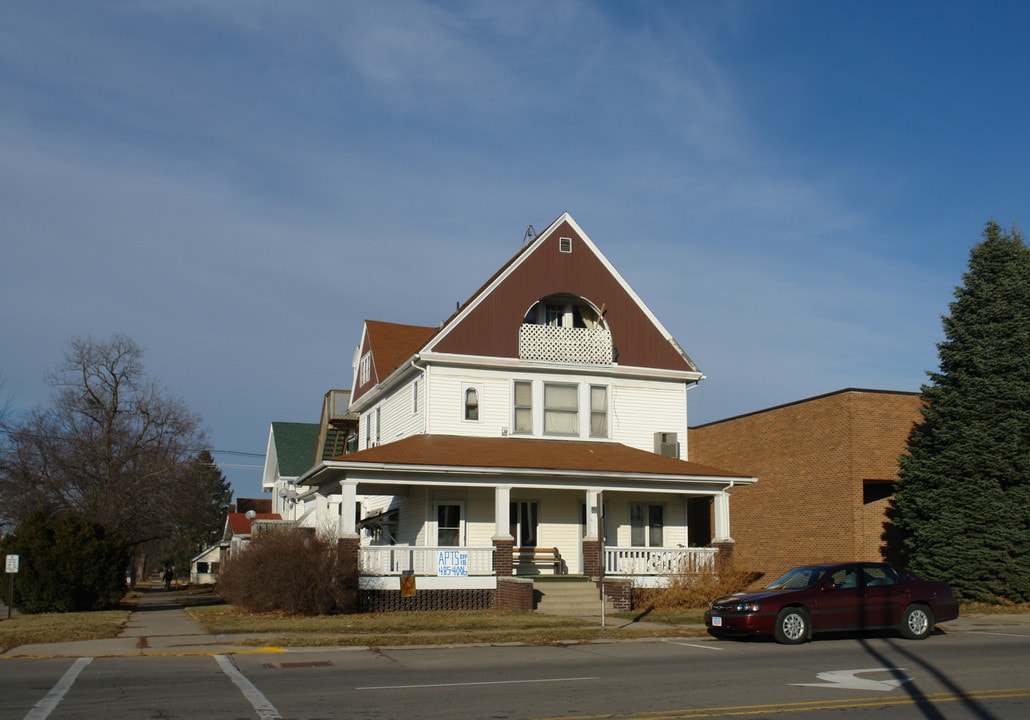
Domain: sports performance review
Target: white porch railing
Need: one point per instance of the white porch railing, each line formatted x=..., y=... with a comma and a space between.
x=658, y=561
x=447, y=561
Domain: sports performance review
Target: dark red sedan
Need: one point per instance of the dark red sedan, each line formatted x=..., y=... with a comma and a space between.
x=835, y=597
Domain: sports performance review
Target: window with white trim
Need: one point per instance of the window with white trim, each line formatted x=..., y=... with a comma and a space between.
x=598, y=411
x=365, y=369
x=470, y=402
x=561, y=409
x=448, y=525
x=522, y=393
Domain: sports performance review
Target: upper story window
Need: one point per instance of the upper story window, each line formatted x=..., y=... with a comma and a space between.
x=365, y=370
x=523, y=405
x=598, y=411
x=561, y=409
x=471, y=402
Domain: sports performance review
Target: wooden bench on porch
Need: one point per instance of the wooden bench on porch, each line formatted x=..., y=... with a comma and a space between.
x=542, y=556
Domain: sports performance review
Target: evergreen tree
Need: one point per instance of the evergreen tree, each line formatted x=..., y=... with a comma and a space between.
x=67, y=564
x=961, y=510
x=199, y=515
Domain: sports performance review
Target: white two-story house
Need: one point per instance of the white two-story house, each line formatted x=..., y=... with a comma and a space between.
x=541, y=429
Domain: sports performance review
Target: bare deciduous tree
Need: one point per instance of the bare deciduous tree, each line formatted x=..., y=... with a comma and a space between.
x=111, y=446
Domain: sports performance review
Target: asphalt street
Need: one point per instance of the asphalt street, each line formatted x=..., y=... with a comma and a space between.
x=166, y=666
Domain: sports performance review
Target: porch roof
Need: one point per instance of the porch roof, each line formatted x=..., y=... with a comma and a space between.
x=522, y=455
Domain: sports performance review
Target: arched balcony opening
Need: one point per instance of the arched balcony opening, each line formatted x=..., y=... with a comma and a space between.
x=566, y=328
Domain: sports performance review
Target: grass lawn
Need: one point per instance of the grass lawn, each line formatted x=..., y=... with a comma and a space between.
x=411, y=628
x=61, y=627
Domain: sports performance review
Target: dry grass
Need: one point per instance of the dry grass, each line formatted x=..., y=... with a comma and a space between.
x=974, y=609
x=421, y=628
x=61, y=627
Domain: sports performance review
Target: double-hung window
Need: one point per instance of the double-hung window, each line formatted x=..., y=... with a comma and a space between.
x=598, y=411
x=365, y=370
x=448, y=525
x=523, y=394
x=470, y=398
x=561, y=409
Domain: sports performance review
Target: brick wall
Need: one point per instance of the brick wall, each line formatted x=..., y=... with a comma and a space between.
x=514, y=594
x=811, y=459
x=620, y=592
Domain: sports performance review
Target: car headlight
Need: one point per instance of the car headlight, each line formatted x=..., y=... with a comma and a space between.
x=746, y=607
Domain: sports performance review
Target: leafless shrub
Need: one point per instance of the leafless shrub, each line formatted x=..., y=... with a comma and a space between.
x=295, y=572
x=698, y=589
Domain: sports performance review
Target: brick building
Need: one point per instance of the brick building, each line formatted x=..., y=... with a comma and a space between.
x=825, y=468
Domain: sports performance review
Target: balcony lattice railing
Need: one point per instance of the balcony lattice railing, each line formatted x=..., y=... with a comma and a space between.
x=561, y=344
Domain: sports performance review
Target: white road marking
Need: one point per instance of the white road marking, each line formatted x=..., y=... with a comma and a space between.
x=462, y=684
x=265, y=709
x=44, y=707
x=1002, y=634
x=693, y=645
x=846, y=680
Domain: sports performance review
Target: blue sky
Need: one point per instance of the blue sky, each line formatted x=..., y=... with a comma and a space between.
x=792, y=187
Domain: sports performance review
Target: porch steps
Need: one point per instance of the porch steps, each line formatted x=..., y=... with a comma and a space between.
x=569, y=598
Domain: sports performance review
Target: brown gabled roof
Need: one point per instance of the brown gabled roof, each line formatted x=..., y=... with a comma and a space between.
x=392, y=344
x=529, y=454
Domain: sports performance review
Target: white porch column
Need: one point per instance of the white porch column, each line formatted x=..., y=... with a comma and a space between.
x=722, y=518
x=502, y=503
x=593, y=506
x=348, y=508
x=686, y=521
x=332, y=519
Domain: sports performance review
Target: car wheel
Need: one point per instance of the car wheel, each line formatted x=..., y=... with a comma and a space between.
x=792, y=626
x=916, y=622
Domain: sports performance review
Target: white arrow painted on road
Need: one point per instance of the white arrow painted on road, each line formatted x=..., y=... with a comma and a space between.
x=847, y=680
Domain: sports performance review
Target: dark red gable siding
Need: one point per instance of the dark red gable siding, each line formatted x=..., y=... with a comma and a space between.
x=492, y=328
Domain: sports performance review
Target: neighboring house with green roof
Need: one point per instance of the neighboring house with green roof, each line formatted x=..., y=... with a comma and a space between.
x=290, y=453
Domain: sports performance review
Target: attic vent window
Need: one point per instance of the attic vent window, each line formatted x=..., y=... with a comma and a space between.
x=565, y=245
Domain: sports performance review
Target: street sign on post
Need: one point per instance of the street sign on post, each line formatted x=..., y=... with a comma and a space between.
x=12, y=569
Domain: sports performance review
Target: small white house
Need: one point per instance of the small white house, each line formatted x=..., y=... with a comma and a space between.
x=205, y=566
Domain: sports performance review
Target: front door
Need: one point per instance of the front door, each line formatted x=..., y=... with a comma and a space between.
x=524, y=518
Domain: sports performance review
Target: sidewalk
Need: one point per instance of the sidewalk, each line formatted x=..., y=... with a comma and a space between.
x=158, y=626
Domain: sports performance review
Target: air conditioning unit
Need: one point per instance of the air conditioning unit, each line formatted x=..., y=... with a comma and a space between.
x=667, y=444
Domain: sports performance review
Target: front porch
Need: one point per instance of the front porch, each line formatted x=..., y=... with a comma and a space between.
x=640, y=563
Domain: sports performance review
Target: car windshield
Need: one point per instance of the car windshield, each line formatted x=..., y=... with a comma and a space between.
x=801, y=578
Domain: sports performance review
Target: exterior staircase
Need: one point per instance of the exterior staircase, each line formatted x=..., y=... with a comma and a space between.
x=572, y=597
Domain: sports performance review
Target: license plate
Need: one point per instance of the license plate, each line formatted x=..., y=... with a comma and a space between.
x=716, y=621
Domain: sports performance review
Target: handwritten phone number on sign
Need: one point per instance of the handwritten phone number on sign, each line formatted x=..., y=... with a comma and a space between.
x=452, y=564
